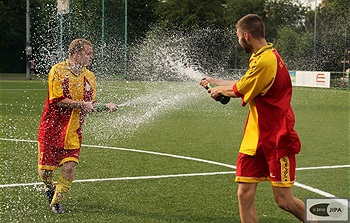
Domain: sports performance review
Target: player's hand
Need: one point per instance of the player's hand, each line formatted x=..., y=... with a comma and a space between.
x=111, y=107
x=87, y=107
x=215, y=92
x=205, y=82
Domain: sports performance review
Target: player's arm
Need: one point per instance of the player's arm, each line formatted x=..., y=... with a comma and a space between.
x=69, y=103
x=226, y=90
x=218, y=82
x=217, y=87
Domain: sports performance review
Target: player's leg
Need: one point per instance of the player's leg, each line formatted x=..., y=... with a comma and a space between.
x=46, y=165
x=286, y=201
x=46, y=177
x=64, y=182
x=69, y=161
x=282, y=176
x=249, y=172
x=247, y=210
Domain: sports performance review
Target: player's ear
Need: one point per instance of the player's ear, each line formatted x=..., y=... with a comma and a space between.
x=246, y=35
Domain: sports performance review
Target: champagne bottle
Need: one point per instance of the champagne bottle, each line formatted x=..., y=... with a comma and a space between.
x=222, y=98
x=99, y=107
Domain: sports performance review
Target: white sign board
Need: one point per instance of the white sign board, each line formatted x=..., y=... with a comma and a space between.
x=313, y=79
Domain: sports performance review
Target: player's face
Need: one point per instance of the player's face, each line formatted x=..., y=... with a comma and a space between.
x=242, y=41
x=86, y=56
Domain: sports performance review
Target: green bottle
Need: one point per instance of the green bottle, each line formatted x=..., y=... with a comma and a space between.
x=222, y=98
x=99, y=107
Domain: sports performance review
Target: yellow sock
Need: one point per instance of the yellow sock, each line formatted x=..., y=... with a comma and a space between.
x=46, y=178
x=63, y=185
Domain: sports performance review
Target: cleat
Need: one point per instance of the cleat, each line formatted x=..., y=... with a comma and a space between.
x=57, y=208
x=49, y=194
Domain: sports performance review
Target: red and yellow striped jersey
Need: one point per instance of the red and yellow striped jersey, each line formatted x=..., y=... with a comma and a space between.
x=61, y=127
x=267, y=88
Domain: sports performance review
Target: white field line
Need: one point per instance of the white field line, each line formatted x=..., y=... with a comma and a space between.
x=127, y=178
x=312, y=189
x=163, y=154
x=320, y=192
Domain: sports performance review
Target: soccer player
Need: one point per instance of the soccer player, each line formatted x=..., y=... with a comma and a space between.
x=71, y=96
x=269, y=143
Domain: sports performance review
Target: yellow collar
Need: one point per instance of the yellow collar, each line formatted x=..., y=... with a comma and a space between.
x=262, y=49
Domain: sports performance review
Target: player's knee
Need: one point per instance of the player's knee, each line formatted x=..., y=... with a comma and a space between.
x=42, y=173
x=283, y=206
x=245, y=195
x=45, y=175
x=68, y=169
x=283, y=203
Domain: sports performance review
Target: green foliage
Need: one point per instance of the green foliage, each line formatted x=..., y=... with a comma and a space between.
x=325, y=52
x=191, y=13
x=279, y=14
x=332, y=34
x=296, y=50
x=141, y=17
x=12, y=41
x=236, y=9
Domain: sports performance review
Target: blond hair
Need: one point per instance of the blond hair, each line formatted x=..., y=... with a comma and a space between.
x=77, y=45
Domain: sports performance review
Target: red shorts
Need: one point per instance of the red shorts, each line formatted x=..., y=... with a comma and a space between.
x=253, y=169
x=50, y=158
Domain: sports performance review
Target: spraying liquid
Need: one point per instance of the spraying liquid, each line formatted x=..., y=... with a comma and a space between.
x=124, y=104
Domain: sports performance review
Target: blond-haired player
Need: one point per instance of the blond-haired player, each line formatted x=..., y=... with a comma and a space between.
x=71, y=96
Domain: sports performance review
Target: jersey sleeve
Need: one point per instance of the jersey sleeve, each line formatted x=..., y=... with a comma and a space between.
x=55, y=83
x=258, y=79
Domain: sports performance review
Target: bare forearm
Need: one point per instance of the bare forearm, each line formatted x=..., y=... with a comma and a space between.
x=221, y=82
x=228, y=91
x=69, y=103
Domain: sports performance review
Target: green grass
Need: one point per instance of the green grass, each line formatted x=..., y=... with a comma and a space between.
x=169, y=118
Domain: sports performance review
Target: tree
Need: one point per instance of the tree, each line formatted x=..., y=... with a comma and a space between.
x=191, y=13
x=332, y=28
x=296, y=49
x=283, y=13
x=141, y=17
x=236, y=9
x=12, y=41
x=288, y=24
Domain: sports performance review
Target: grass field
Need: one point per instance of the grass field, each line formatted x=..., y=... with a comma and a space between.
x=168, y=156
